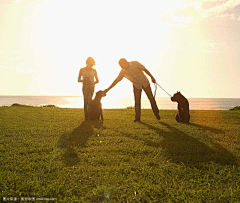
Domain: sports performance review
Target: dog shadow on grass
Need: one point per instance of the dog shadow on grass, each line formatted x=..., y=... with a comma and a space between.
x=180, y=147
x=77, y=138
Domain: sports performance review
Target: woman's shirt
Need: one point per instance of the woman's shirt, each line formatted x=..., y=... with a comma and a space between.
x=88, y=76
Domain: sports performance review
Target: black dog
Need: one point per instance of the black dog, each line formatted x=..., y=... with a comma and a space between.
x=183, y=115
x=96, y=106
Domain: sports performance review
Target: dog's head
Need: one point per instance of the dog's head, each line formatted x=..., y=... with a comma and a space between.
x=177, y=97
x=100, y=94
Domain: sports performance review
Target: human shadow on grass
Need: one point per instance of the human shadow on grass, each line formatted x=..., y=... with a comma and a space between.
x=180, y=147
x=77, y=138
x=206, y=128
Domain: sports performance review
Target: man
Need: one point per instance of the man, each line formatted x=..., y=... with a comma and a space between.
x=133, y=71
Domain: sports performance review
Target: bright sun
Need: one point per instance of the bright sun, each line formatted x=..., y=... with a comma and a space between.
x=44, y=43
x=106, y=30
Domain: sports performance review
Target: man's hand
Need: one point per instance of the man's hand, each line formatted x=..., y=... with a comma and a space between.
x=106, y=90
x=112, y=85
x=153, y=80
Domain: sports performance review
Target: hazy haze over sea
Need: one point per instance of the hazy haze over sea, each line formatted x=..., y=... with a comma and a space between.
x=110, y=102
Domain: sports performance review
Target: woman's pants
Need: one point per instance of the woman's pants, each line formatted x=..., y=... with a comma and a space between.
x=87, y=96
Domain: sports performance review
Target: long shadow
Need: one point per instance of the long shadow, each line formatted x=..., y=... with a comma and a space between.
x=203, y=127
x=77, y=138
x=182, y=148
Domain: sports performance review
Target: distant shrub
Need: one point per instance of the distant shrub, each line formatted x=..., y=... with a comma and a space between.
x=130, y=107
x=49, y=105
x=21, y=105
x=235, y=108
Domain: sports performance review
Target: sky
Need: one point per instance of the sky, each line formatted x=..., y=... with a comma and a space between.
x=191, y=46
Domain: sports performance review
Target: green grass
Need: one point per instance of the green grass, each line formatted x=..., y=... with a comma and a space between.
x=54, y=153
x=236, y=108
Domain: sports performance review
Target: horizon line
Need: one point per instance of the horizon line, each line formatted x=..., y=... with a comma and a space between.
x=113, y=96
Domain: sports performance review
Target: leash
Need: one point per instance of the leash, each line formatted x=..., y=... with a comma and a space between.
x=156, y=84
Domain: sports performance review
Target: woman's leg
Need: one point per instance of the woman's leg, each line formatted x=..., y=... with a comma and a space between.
x=85, y=98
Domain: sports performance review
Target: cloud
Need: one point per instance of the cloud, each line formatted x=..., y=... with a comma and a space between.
x=190, y=13
x=183, y=16
x=228, y=16
x=225, y=7
x=16, y=1
x=209, y=46
x=15, y=62
x=3, y=67
x=212, y=3
x=24, y=1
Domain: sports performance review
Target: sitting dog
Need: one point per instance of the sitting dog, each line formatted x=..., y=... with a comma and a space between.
x=183, y=115
x=96, y=106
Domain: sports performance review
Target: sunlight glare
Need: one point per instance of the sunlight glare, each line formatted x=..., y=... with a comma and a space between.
x=107, y=33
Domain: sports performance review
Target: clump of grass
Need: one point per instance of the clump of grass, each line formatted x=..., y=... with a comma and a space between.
x=236, y=108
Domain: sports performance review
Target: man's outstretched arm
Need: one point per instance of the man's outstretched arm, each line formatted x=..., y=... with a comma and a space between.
x=112, y=85
x=118, y=79
x=148, y=73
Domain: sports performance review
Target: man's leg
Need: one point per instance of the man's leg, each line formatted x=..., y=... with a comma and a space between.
x=152, y=100
x=137, y=97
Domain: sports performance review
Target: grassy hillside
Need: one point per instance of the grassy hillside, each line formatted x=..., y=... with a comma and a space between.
x=54, y=153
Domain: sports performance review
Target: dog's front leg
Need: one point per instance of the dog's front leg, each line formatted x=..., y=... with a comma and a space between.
x=181, y=117
x=101, y=114
x=177, y=117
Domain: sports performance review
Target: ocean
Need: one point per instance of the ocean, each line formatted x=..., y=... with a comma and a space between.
x=111, y=103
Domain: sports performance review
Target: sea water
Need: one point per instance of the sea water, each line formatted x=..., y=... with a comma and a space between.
x=111, y=102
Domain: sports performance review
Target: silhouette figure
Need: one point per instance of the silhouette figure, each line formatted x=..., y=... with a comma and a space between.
x=133, y=71
x=87, y=76
x=183, y=115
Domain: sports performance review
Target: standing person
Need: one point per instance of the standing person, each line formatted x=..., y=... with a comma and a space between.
x=88, y=76
x=133, y=71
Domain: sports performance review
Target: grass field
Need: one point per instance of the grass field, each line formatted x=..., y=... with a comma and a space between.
x=54, y=153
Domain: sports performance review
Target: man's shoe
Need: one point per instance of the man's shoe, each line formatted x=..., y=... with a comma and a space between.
x=157, y=116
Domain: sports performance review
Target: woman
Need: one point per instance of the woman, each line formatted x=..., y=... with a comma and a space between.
x=86, y=76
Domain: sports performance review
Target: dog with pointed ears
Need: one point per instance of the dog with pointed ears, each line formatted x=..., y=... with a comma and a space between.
x=183, y=115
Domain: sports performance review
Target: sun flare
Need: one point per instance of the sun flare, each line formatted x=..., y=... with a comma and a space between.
x=71, y=33
x=46, y=42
